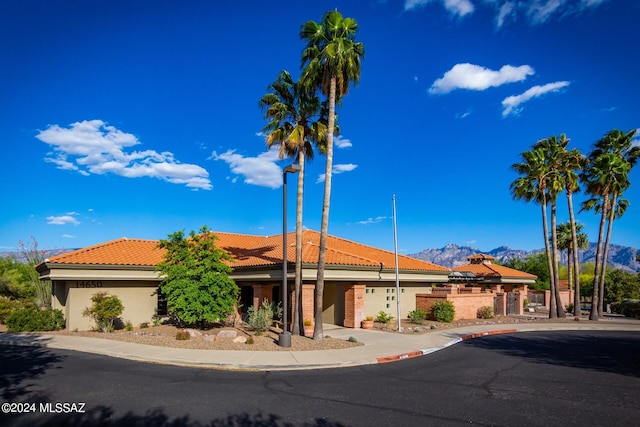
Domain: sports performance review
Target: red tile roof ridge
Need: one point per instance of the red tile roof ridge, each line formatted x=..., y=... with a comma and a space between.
x=375, y=262
x=493, y=270
x=96, y=247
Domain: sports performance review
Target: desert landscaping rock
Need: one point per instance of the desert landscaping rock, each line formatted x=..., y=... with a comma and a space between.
x=227, y=334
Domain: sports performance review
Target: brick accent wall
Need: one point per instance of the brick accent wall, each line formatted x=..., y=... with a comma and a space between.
x=308, y=297
x=466, y=305
x=353, y=305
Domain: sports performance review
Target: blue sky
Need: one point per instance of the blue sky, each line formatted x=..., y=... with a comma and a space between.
x=140, y=118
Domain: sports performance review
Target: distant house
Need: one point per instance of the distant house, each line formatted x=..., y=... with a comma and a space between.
x=489, y=274
x=359, y=279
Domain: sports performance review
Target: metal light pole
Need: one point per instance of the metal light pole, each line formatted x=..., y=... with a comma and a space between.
x=395, y=245
x=284, y=340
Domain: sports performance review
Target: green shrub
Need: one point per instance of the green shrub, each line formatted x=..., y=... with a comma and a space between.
x=443, y=311
x=568, y=308
x=8, y=306
x=31, y=319
x=104, y=311
x=628, y=308
x=144, y=325
x=260, y=319
x=128, y=326
x=485, y=312
x=352, y=339
x=183, y=335
x=418, y=316
x=383, y=317
x=250, y=340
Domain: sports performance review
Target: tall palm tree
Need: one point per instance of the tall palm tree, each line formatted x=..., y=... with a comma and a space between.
x=295, y=122
x=606, y=177
x=571, y=162
x=553, y=149
x=567, y=241
x=532, y=186
x=330, y=61
x=616, y=208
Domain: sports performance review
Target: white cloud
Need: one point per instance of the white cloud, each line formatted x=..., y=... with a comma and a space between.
x=341, y=142
x=511, y=103
x=63, y=219
x=69, y=236
x=538, y=12
x=636, y=141
x=475, y=77
x=505, y=11
x=373, y=220
x=456, y=7
x=93, y=147
x=337, y=170
x=464, y=115
x=262, y=170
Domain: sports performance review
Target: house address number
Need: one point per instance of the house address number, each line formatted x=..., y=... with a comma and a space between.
x=89, y=284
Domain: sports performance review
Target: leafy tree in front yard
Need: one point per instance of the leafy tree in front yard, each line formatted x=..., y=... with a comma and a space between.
x=620, y=285
x=15, y=279
x=196, y=281
x=533, y=264
x=104, y=310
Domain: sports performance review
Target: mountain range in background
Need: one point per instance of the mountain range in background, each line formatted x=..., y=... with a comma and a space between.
x=452, y=255
x=19, y=256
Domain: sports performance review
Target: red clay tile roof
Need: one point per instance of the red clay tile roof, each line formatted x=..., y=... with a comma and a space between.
x=494, y=270
x=115, y=252
x=480, y=257
x=248, y=251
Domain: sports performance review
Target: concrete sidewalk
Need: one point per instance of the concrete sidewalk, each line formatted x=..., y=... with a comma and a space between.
x=379, y=346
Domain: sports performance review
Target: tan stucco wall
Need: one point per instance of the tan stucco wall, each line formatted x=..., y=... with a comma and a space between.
x=139, y=299
x=384, y=298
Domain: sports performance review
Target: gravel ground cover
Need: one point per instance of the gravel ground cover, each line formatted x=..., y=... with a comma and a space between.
x=215, y=339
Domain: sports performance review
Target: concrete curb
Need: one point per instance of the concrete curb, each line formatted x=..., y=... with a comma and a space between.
x=418, y=353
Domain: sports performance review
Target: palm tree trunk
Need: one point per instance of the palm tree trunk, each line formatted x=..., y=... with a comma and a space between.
x=595, y=295
x=605, y=253
x=324, y=227
x=569, y=269
x=545, y=229
x=554, y=247
x=297, y=313
x=574, y=253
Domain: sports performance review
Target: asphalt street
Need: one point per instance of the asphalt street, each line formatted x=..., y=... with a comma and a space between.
x=523, y=379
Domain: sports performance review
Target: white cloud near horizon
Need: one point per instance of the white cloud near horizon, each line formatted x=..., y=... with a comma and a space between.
x=337, y=170
x=455, y=7
x=373, y=220
x=512, y=103
x=341, y=142
x=262, y=170
x=68, y=218
x=475, y=77
x=94, y=147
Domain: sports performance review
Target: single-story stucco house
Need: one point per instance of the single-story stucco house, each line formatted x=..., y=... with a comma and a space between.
x=359, y=279
x=487, y=273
